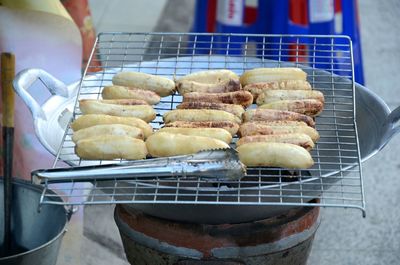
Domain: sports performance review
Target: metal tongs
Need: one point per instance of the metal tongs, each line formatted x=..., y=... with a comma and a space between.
x=220, y=165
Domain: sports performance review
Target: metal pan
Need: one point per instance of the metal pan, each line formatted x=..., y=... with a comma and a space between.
x=375, y=123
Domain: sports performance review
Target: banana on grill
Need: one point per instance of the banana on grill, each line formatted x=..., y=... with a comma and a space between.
x=237, y=110
x=111, y=147
x=275, y=155
x=310, y=107
x=160, y=85
x=163, y=144
x=89, y=120
x=187, y=86
x=209, y=76
x=199, y=115
x=123, y=92
x=299, y=139
x=230, y=126
x=277, y=95
x=216, y=133
x=267, y=115
x=108, y=129
x=259, y=128
x=257, y=88
x=258, y=75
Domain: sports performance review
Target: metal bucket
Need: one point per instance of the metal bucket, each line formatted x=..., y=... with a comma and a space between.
x=37, y=234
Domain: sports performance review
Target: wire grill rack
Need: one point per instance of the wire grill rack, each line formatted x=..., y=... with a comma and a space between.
x=336, y=177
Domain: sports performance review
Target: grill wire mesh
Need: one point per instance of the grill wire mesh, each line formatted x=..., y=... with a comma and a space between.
x=336, y=177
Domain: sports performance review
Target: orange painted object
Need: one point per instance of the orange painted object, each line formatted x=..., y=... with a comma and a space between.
x=80, y=13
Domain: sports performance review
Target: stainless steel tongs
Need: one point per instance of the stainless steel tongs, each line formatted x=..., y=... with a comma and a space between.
x=221, y=164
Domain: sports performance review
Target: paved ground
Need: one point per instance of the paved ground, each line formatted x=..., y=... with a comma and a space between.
x=344, y=237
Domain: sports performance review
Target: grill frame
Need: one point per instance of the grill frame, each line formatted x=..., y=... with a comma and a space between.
x=342, y=187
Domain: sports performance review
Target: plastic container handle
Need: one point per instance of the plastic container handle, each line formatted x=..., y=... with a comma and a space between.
x=25, y=79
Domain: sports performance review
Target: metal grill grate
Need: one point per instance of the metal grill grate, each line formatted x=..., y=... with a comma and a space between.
x=336, y=176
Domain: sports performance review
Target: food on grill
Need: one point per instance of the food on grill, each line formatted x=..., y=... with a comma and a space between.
x=163, y=144
x=283, y=123
x=111, y=147
x=276, y=115
x=122, y=92
x=216, y=133
x=257, y=128
x=160, y=85
x=237, y=110
x=210, y=76
x=257, y=88
x=230, y=126
x=89, y=120
x=144, y=112
x=199, y=115
x=310, y=107
x=243, y=98
x=299, y=139
x=108, y=129
x=275, y=155
x=128, y=101
x=187, y=86
x=258, y=75
x=277, y=95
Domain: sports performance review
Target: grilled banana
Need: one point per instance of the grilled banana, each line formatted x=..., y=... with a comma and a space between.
x=258, y=75
x=299, y=139
x=276, y=115
x=275, y=155
x=237, y=110
x=210, y=76
x=231, y=127
x=310, y=107
x=216, y=133
x=106, y=147
x=257, y=88
x=108, y=129
x=199, y=115
x=160, y=85
x=123, y=101
x=163, y=144
x=122, y=92
x=257, y=128
x=276, y=95
x=144, y=112
x=89, y=120
x=187, y=86
x=243, y=98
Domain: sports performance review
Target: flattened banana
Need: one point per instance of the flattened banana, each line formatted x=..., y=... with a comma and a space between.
x=299, y=139
x=237, y=110
x=257, y=128
x=258, y=75
x=89, y=120
x=310, y=107
x=108, y=129
x=230, y=126
x=187, y=86
x=216, y=133
x=257, y=88
x=199, y=115
x=275, y=155
x=276, y=115
x=144, y=112
x=210, y=76
x=122, y=92
x=107, y=147
x=277, y=95
x=160, y=85
x=168, y=144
